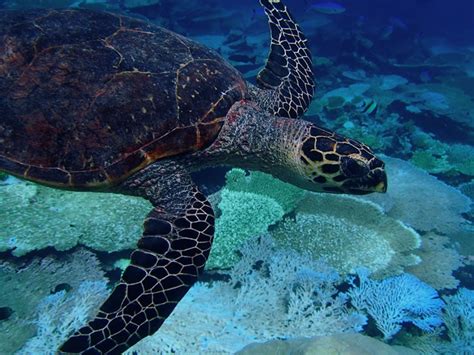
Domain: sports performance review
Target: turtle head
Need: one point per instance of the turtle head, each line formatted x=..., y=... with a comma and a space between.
x=332, y=163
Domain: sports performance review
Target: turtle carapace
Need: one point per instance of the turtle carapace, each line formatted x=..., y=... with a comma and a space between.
x=99, y=101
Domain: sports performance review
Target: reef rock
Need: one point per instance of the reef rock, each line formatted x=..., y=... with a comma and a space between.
x=339, y=344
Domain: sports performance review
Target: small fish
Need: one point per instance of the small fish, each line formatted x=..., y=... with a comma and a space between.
x=328, y=8
x=242, y=58
x=367, y=106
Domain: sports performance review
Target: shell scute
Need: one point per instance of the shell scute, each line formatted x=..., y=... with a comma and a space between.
x=90, y=98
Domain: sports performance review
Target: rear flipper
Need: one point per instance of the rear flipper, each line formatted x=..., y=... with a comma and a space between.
x=286, y=84
x=170, y=256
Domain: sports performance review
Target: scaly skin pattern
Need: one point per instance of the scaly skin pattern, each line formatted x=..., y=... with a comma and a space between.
x=285, y=87
x=175, y=245
x=92, y=100
x=178, y=232
x=295, y=151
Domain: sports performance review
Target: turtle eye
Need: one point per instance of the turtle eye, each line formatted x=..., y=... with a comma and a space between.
x=353, y=167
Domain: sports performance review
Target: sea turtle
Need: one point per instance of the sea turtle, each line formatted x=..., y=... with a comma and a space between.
x=100, y=101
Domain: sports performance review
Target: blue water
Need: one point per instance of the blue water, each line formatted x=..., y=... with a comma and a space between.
x=394, y=268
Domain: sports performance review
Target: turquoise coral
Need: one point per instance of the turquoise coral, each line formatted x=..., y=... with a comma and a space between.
x=243, y=215
x=34, y=217
x=264, y=184
x=253, y=305
x=248, y=204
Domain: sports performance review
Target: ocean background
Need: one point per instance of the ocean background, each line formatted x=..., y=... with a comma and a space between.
x=391, y=273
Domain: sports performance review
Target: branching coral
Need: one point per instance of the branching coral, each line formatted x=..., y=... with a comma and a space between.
x=254, y=305
x=61, y=313
x=26, y=284
x=348, y=232
x=338, y=344
x=458, y=318
x=396, y=300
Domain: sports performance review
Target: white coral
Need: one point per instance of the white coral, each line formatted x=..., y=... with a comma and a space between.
x=271, y=295
x=348, y=232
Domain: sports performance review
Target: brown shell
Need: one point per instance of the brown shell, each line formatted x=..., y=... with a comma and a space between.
x=88, y=98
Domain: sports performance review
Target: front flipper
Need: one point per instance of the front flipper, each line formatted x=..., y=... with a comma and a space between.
x=286, y=83
x=170, y=256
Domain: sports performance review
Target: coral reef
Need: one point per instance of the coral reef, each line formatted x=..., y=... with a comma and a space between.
x=436, y=157
x=254, y=306
x=27, y=283
x=415, y=197
x=396, y=300
x=260, y=183
x=246, y=207
x=338, y=344
x=456, y=336
x=442, y=100
x=242, y=216
x=139, y=3
x=348, y=232
x=20, y=4
x=438, y=261
x=62, y=313
x=34, y=217
x=468, y=189
x=459, y=320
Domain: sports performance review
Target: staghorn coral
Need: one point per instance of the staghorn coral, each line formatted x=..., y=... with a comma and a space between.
x=28, y=283
x=34, y=217
x=348, y=232
x=421, y=200
x=458, y=318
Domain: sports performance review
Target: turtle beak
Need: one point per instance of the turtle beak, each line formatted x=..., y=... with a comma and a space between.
x=375, y=181
x=381, y=187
